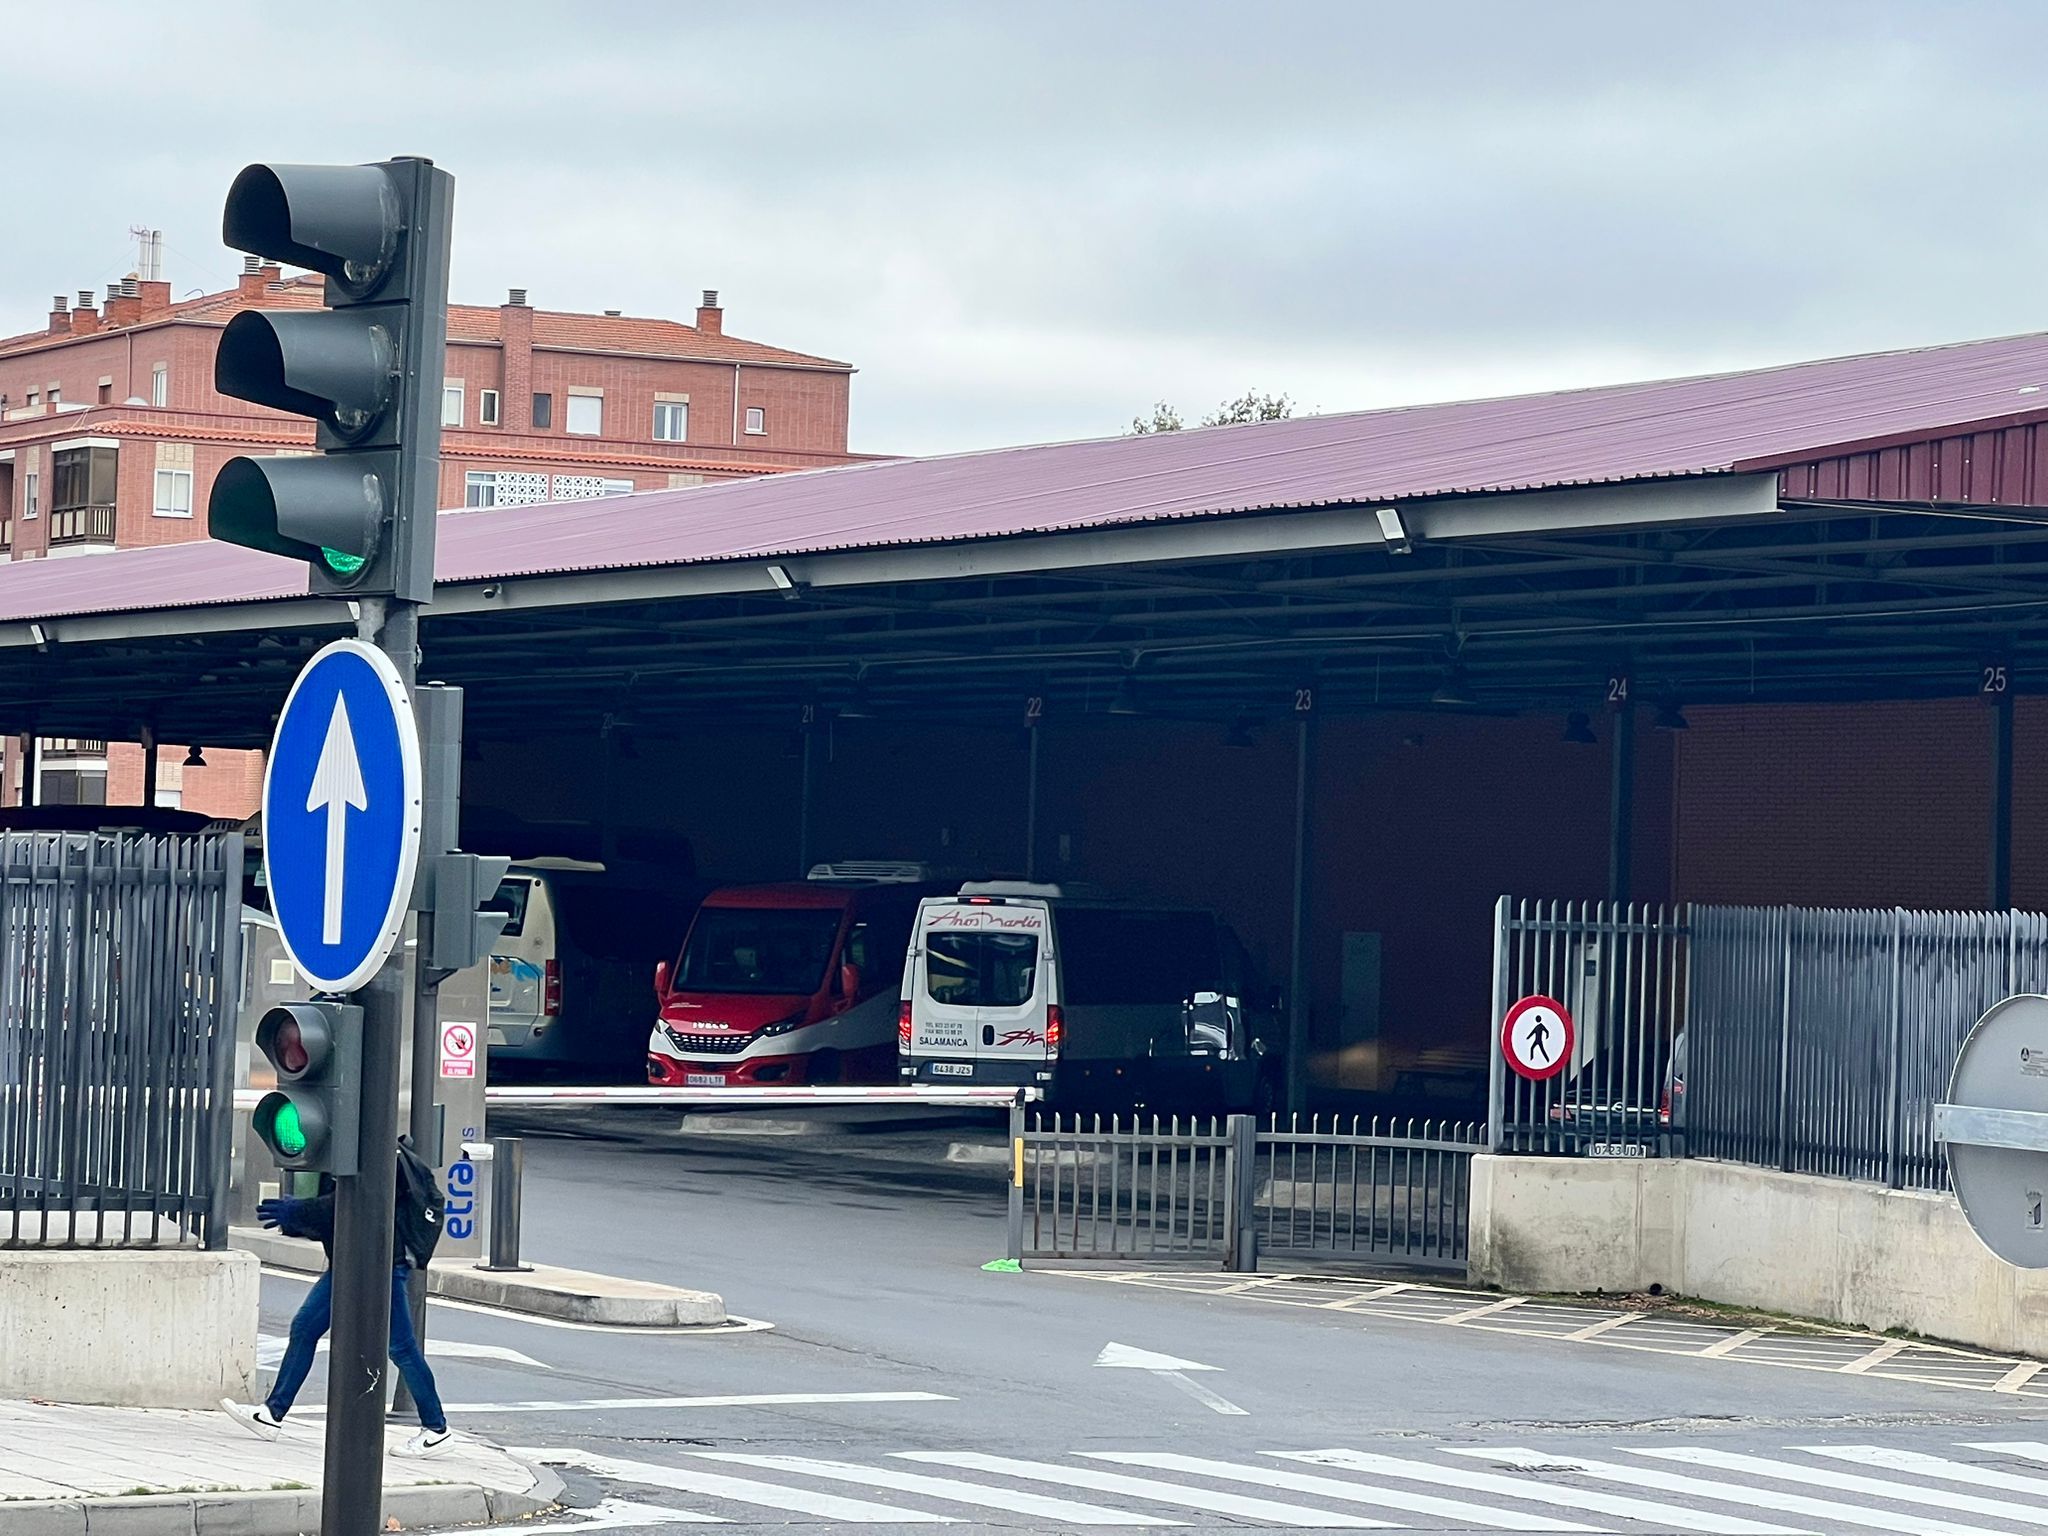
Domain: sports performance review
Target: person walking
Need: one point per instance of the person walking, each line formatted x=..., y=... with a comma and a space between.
x=417, y=1223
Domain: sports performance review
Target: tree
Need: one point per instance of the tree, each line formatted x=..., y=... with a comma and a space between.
x=1250, y=406
x=1164, y=418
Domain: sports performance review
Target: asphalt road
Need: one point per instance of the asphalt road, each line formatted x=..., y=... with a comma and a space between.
x=918, y=1387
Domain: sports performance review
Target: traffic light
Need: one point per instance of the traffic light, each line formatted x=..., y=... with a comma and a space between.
x=463, y=931
x=367, y=369
x=310, y=1120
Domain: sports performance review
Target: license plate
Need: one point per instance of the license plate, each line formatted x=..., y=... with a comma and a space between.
x=494, y=1037
x=704, y=1079
x=1622, y=1149
x=952, y=1069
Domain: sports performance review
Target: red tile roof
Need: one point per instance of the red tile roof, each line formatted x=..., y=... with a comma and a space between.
x=474, y=323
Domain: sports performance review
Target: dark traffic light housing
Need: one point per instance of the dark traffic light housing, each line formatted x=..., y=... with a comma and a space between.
x=310, y=1121
x=366, y=370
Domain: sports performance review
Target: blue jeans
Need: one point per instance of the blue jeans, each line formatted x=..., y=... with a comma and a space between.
x=310, y=1325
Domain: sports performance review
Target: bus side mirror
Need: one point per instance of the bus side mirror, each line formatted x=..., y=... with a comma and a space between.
x=661, y=980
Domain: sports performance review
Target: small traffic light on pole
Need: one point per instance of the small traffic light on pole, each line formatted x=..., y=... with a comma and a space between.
x=366, y=368
x=309, y=1121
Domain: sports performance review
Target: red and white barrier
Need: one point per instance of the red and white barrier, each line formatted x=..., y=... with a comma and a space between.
x=565, y=1097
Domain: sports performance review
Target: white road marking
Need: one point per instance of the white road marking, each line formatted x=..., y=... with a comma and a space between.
x=1038, y=1505
x=1333, y=1488
x=1877, y=1356
x=1124, y=1357
x=1167, y=1368
x=1605, y=1325
x=743, y=1490
x=1851, y=1482
x=1733, y=1342
x=2019, y=1376
x=1178, y=1495
x=1583, y=1500
x=730, y=1400
x=1921, y=1465
x=2026, y=1450
x=1727, y=1493
x=270, y=1350
x=1473, y=1314
x=607, y=1515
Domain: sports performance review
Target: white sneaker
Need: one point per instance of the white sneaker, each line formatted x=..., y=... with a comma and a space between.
x=424, y=1442
x=253, y=1417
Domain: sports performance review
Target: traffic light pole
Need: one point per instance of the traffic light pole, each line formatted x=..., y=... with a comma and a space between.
x=365, y=1206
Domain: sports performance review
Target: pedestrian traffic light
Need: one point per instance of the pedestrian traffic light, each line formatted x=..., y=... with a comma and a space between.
x=310, y=1120
x=366, y=368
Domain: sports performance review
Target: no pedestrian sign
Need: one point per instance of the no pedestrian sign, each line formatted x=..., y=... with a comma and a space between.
x=1537, y=1037
x=458, y=1049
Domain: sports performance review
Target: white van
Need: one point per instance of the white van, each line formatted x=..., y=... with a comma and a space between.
x=1089, y=1000
x=569, y=975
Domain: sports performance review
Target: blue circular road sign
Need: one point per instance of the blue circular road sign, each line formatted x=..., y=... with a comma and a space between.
x=341, y=815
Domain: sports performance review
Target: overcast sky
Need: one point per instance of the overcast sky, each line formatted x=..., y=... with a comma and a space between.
x=1028, y=220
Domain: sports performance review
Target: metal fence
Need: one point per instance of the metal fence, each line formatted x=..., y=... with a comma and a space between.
x=1227, y=1191
x=1807, y=1039
x=119, y=978
x=1818, y=1041
x=1621, y=971
x=1357, y=1188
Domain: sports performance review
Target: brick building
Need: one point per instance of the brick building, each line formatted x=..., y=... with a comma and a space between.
x=111, y=433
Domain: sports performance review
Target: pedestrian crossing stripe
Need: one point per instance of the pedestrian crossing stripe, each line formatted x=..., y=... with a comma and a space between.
x=1688, y=1490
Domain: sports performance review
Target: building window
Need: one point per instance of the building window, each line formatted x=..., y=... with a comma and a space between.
x=586, y=415
x=31, y=497
x=451, y=405
x=480, y=489
x=35, y=399
x=757, y=421
x=160, y=385
x=106, y=394
x=543, y=412
x=671, y=421
x=56, y=394
x=82, y=482
x=487, y=408
x=173, y=493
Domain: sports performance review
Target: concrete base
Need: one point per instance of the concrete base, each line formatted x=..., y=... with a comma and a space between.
x=544, y=1290
x=1821, y=1248
x=165, y=1328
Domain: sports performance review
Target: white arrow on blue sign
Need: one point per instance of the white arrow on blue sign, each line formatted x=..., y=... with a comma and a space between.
x=341, y=815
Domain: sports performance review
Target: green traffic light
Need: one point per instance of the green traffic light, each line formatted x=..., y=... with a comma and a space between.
x=342, y=564
x=291, y=1136
x=279, y=1124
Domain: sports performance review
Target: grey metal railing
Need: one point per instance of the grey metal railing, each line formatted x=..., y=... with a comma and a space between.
x=1339, y=1187
x=1155, y=1188
x=1621, y=971
x=119, y=978
x=1819, y=1040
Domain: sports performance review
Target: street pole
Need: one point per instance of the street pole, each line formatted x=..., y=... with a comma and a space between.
x=365, y=1204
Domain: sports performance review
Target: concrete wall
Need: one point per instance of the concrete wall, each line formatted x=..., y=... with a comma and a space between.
x=172, y=1328
x=1821, y=1248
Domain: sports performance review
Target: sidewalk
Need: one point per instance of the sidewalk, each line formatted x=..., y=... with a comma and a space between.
x=67, y=1471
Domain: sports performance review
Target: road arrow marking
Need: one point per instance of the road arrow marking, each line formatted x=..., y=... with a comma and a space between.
x=337, y=785
x=270, y=1350
x=1168, y=1368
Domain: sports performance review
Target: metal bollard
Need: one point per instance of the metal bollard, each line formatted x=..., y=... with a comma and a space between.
x=508, y=1176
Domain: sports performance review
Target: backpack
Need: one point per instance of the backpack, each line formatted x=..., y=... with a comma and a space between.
x=421, y=1206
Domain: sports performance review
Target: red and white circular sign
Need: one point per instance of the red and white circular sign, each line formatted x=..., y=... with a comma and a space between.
x=1537, y=1037
x=458, y=1049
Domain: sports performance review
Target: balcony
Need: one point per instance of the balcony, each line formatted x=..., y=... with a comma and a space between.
x=90, y=524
